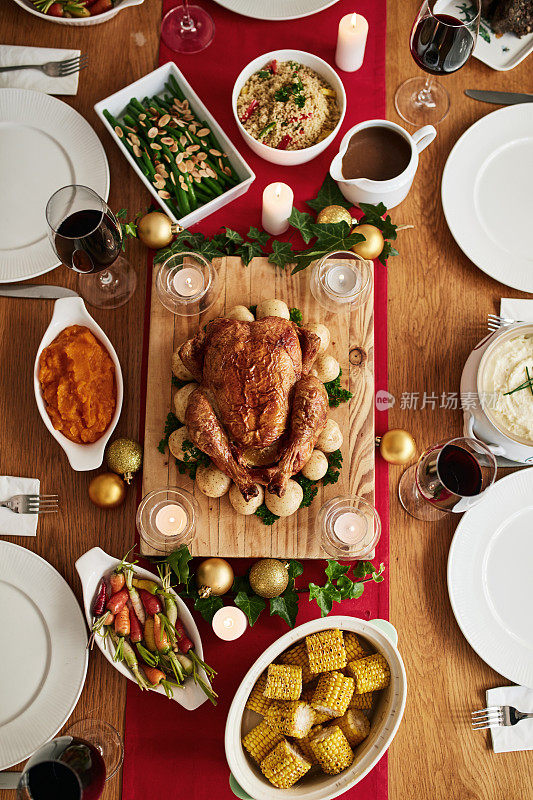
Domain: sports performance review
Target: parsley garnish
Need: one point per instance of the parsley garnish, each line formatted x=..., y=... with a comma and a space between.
x=295, y=315
x=336, y=393
x=309, y=487
x=282, y=95
x=266, y=516
x=334, y=468
x=172, y=424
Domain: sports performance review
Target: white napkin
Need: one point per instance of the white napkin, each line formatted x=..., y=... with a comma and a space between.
x=515, y=308
x=514, y=737
x=10, y=55
x=12, y=524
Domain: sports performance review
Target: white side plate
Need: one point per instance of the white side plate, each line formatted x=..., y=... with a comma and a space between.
x=276, y=10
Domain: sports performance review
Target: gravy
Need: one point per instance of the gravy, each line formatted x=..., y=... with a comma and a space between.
x=376, y=153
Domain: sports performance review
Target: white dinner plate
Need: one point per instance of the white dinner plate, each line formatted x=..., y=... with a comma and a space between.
x=44, y=145
x=276, y=10
x=489, y=577
x=487, y=194
x=44, y=652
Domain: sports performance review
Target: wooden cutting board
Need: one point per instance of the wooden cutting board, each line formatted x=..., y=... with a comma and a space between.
x=221, y=531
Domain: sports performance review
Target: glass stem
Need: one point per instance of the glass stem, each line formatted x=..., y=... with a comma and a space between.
x=106, y=278
x=187, y=22
x=424, y=96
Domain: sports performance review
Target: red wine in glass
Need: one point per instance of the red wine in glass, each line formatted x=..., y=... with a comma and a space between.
x=441, y=44
x=77, y=773
x=88, y=241
x=459, y=471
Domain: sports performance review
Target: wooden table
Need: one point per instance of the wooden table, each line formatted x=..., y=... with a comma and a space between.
x=434, y=756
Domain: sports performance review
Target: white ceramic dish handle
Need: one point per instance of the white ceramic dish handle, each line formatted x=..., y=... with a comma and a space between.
x=496, y=449
x=423, y=137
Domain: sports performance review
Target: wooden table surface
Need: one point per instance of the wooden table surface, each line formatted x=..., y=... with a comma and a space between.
x=434, y=756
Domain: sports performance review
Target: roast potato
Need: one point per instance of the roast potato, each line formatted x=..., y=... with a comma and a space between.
x=241, y=313
x=327, y=368
x=239, y=503
x=331, y=437
x=321, y=331
x=272, y=308
x=316, y=467
x=289, y=503
x=175, y=444
x=181, y=399
x=211, y=481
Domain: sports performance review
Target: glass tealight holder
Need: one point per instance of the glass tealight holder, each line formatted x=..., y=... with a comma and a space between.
x=187, y=284
x=349, y=528
x=341, y=281
x=166, y=518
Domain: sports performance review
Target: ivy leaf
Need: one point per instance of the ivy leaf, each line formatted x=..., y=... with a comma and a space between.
x=303, y=222
x=261, y=236
x=335, y=236
x=295, y=569
x=208, y=606
x=388, y=250
x=373, y=215
x=179, y=563
x=281, y=254
x=241, y=584
x=249, y=250
x=329, y=194
x=285, y=606
x=348, y=589
x=335, y=570
x=252, y=605
x=325, y=596
x=233, y=236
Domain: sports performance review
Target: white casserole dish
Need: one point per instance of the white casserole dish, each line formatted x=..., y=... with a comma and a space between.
x=246, y=779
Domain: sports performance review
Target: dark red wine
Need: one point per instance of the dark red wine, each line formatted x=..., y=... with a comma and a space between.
x=441, y=44
x=88, y=241
x=459, y=471
x=78, y=773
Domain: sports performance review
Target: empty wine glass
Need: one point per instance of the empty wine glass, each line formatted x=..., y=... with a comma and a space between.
x=87, y=238
x=441, y=43
x=449, y=476
x=187, y=28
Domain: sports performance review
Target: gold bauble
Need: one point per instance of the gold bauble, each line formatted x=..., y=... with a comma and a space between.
x=156, y=230
x=124, y=456
x=269, y=577
x=107, y=490
x=373, y=244
x=214, y=576
x=397, y=446
x=334, y=214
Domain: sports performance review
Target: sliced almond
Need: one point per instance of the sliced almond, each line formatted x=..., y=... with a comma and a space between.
x=152, y=133
x=204, y=132
x=137, y=151
x=173, y=179
x=167, y=140
x=213, y=152
x=201, y=156
x=211, y=172
x=193, y=148
x=142, y=116
x=179, y=158
x=186, y=186
x=182, y=167
x=174, y=148
x=183, y=140
x=164, y=195
x=134, y=139
x=165, y=119
x=189, y=164
x=155, y=146
x=119, y=132
x=160, y=168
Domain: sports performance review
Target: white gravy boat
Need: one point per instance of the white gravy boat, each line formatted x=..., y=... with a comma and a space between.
x=393, y=191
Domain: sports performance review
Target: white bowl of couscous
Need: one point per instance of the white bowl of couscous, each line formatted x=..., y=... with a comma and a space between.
x=318, y=108
x=376, y=639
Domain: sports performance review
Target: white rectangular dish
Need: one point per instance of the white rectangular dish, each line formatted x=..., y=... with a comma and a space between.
x=152, y=84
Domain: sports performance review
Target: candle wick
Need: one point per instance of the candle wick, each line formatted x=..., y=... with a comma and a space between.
x=341, y=278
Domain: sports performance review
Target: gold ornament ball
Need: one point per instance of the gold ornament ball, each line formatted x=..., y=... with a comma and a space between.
x=373, y=244
x=397, y=446
x=124, y=456
x=214, y=576
x=107, y=490
x=156, y=230
x=269, y=577
x=334, y=214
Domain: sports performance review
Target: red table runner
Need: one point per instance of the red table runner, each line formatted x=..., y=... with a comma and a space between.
x=169, y=752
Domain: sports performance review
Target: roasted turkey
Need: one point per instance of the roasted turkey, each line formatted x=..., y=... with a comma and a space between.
x=258, y=412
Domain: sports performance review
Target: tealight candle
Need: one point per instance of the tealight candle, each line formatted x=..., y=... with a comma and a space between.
x=188, y=282
x=277, y=206
x=341, y=279
x=229, y=623
x=350, y=527
x=171, y=519
x=351, y=42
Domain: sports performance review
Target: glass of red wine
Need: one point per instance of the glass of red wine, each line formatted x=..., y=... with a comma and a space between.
x=449, y=477
x=187, y=28
x=441, y=43
x=87, y=238
x=75, y=766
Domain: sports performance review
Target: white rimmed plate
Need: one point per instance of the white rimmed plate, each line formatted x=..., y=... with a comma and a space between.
x=276, y=10
x=44, y=652
x=44, y=145
x=486, y=194
x=489, y=577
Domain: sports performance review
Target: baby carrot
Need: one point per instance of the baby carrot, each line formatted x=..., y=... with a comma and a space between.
x=151, y=602
x=128, y=654
x=117, y=601
x=116, y=581
x=134, y=597
x=136, y=631
x=148, y=586
x=149, y=636
x=122, y=622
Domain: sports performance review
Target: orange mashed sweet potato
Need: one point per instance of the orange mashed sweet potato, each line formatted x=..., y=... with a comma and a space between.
x=77, y=378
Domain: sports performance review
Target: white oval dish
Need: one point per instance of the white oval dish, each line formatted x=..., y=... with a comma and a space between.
x=289, y=158
x=92, y=566
x=246, y=779
x=27, y=5
x=72, y=311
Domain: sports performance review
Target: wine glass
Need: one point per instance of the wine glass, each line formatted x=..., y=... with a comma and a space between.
x=187, y=28
x=449, y=476
x=87, y=238
x=440, y=43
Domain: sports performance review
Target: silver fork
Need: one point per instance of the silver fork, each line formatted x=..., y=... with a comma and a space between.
x=497, y=716
x=32, y=503
x=494, y=322
x=55, y=69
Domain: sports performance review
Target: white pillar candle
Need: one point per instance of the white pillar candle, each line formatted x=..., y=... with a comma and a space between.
x=277, y=206
x=229, y=623
x=188, y=282
x=350, y=527
x=351, y=41
x=171, y=519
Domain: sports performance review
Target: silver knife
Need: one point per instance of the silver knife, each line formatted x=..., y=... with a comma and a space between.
x=500, y=98
x=37, y=291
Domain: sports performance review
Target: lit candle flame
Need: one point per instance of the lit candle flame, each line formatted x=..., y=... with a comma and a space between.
x=341, y=277
x=228, y=623
x=354, y=21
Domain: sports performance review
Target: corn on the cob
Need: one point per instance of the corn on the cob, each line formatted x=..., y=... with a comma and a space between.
x=332, y=750
x=307, y=695
x=370, y=674
x=353, y=646
x=293, y=718
x=361, y=701
x=261, y=741
x=284, y=765
x=355, y=726
x=325, y=650
x=298, y=655
x=305, y=744
x=284, y=682
x=256, y=699
x=333, y=693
